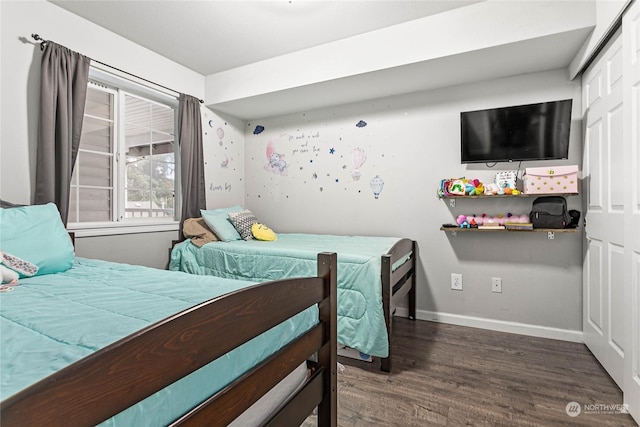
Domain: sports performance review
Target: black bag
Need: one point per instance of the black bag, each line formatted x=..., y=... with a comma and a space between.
x=575, y=218
x=550, y=212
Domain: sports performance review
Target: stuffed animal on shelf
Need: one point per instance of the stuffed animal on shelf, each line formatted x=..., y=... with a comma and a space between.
x=457, y=187
x=463, y=221
x=474, y=187
x=460, y=187
x=510, y=189
x=469, y=187
x=491, y=189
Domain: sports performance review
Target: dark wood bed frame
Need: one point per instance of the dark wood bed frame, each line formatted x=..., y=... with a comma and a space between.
x=396, y=284
x=124, y=373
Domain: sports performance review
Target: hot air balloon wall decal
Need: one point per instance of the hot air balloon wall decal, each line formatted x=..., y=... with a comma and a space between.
x=358, y=157
x=376, y=184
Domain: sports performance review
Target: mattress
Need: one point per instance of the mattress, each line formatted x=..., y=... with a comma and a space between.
x=48, y=322
x=361, y=323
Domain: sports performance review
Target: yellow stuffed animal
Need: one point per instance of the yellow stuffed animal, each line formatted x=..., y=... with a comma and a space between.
x=262, y=232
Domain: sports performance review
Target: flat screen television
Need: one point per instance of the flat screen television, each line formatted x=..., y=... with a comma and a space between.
x=521, y=132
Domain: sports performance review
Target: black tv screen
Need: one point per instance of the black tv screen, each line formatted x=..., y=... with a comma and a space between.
x=522, y=132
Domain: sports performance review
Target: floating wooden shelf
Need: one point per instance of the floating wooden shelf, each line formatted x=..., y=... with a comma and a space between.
x=488, y=230
x=511, y=196
x=550, y=231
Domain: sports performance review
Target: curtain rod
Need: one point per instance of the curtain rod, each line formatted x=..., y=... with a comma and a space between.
x=43, y=42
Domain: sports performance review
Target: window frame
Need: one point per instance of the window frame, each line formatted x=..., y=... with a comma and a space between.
x=120, y=87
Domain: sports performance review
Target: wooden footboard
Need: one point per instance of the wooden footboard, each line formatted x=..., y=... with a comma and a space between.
x=396, y=284
x=126, y=372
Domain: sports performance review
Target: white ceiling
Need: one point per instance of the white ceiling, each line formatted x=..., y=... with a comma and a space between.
x=211, y=36
x=216, y=35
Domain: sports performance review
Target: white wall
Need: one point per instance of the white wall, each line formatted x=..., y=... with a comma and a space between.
x=19, y=93
x=412, y=142
x=606, y=14
x=223, y=146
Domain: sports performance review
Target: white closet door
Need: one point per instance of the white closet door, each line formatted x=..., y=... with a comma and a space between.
x=631, y=43
x=603, y=175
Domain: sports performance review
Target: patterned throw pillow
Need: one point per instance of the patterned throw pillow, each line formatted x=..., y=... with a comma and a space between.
x=243, y=221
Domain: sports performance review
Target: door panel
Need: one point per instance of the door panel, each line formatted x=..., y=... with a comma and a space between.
x=616, y=283
x=631, y=90
x=616, y=157
x=594, y=287
x=603, y=173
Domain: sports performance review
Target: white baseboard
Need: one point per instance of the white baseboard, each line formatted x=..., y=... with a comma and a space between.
x=496, y=325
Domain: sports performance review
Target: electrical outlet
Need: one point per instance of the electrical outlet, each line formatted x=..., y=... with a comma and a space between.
x=456, y=281
x=496, y=284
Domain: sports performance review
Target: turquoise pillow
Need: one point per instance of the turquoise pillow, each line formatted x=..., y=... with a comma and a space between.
x=219, y=222
x=36, y=234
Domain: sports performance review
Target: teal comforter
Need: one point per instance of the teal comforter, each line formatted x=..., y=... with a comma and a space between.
x=361, y=322
x=48, y=322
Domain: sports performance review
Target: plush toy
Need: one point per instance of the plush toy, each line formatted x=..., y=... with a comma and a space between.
x=491, y=189
x=457, y=187
x=508, y=188
x=18, y=267
x=470, y=187
x=473, y=187
x=262, y=232
x=463, y=221
x=452, y=187
x=8, y=276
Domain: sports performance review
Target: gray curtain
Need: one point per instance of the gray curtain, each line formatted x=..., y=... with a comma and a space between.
x=63, y=92
x=191, y=157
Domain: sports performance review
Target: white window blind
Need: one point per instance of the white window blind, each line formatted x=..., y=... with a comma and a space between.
x=125, y=172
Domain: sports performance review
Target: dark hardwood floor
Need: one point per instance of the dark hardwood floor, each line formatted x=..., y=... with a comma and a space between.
x=446, y=375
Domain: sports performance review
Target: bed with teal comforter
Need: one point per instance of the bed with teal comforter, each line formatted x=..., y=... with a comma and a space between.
x=50, y=321
x=361, y=321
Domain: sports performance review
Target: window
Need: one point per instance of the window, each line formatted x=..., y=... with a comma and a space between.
x=125, y=172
